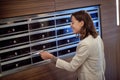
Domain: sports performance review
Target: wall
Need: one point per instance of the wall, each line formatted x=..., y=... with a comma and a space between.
x=110, y=32
x=110, y=37
x=11, y=8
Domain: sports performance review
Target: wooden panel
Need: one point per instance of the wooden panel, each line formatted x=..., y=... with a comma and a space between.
x=11, y=8
x=111, y=38
x=41, y=72
x=67, y=4
x=118, y=53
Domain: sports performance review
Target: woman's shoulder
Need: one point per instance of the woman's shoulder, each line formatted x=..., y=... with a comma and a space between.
x=88, y=40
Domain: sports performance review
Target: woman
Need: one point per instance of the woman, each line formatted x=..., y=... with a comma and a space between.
x=89, y=61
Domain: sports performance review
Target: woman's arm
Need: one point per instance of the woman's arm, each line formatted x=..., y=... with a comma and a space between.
x=77, y=60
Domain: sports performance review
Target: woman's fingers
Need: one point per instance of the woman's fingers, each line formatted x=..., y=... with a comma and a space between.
x=46, y=55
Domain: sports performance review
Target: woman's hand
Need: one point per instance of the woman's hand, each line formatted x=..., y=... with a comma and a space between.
x=46, y=55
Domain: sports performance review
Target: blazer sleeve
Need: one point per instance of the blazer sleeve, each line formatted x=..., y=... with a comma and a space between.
x=77, y=60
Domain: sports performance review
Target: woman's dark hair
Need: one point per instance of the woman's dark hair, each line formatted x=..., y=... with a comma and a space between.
x=88, y=27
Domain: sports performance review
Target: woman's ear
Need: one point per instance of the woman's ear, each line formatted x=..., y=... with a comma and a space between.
x=82, y=23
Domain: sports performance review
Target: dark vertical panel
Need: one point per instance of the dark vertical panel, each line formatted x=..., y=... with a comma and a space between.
x=108, y=18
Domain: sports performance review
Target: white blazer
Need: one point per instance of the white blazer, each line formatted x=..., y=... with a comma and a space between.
x=88, y=62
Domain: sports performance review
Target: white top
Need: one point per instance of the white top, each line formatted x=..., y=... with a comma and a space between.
x=89, y=61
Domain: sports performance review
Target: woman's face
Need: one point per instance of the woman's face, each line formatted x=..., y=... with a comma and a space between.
x=76, y=25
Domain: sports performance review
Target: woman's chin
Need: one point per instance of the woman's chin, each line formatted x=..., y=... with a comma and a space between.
x=75, y=32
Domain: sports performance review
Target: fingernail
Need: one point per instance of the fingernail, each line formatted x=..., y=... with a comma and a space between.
x=40, y=52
